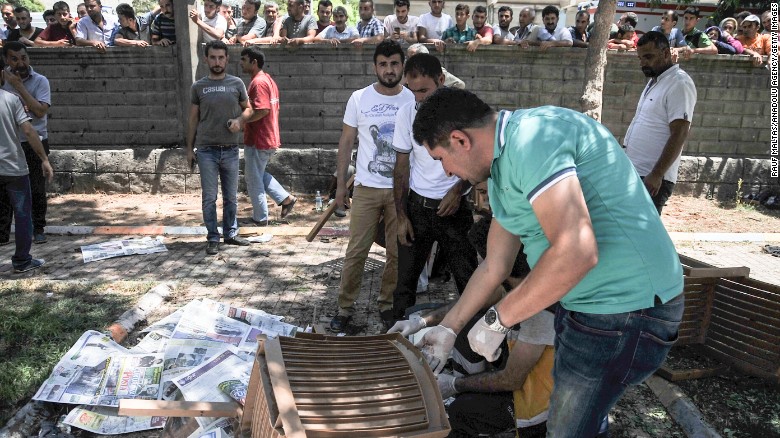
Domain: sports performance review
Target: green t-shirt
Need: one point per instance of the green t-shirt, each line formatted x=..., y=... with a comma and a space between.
x=536, y=148
x=697, y=39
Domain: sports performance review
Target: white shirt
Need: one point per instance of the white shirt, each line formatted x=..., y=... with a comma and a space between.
x=391, y=21
x=672, y=96
x=88, y=30
x=506, y=34
x=435, y=26
x=218, y=22
x=560, y=34
x=427, y=177
x=373, y=115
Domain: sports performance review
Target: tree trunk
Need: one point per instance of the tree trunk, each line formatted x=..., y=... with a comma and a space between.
x=596, y=60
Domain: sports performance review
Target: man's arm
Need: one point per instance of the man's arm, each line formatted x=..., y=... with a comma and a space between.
x=672, y=149
x=712, y=49
x=544, y=45
x=37, y=147
x=212, y=31
x=347, y=140
x=237, y=124
x=400, y=196
x=192, y=128
x=755, y=57
x=309, y=38
x=450, y=204
x=522, y=358
x=39, y=109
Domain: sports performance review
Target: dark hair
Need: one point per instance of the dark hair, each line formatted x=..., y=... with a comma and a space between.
x=367, y=1
x=254, y=54
x=446, y=110
x=48, y=13
x=550, y=10
x=60, y=6
x=388, y=48
x=631, y=18
x=401, y=3
x=216, y=2
x=325, y=3
x=624, y=29
x=583, y=12
x=673, y=15
x=16, y=46
x=658, y=39
x=216, y=45
x=506, y=8
x=742, y=15
x=462, y=7
x=693, y=10
x=256, y=3
x=480, y=9
x=20, y=9
x=125, y=10
x=423, y=64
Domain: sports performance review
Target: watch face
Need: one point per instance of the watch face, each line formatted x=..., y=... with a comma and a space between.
x=491, y=316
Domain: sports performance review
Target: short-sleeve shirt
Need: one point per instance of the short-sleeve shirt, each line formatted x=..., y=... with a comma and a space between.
x=486, y=30
x=299, y=29
x=537, y=148
x=671, y=97
x=391, y=22
x=321, y=27
x=16, y=34
x=577, y=36
x=331, y=32
x=89, y=30
x=373, y=28
x=761, y=44
x=373, y=115
x=696, y=39
x=38, y=87
x=164, y=28
x=426, y=176
x=12, y=159
x=435, y=26
x=56, y=32
x=560, y=34
x=254, y=26
x=218, y=102
x=263, y=94
x=506, y=34
x=529, y=32
x=675, y=37
x=464, y=36
x=269, y=29
x=218, y=22
x=142, y=32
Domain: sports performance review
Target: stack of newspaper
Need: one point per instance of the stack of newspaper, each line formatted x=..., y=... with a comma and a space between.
x=202, y=352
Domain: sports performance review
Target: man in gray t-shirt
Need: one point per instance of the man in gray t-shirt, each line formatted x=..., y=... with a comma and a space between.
x=220, y=108
x=298, y=28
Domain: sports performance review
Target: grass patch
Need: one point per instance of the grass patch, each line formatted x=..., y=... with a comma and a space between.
x=40, y=320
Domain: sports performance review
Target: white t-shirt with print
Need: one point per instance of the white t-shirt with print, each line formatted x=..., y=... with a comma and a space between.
x=218, y=22
x=391, y=22
x=435, y=26
x=373, y=115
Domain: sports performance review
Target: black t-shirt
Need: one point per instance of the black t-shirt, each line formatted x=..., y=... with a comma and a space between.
x=16, y=34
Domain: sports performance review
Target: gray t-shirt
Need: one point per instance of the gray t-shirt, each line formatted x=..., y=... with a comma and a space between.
x=219, y=102
x=299, y=29
x=12, y=160
x=38, y=87
x=255, y=26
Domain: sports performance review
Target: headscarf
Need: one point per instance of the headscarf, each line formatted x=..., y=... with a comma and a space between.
x=732, y=20
x=720, y=32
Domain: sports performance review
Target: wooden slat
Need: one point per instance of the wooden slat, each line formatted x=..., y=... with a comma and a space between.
x=304, y=397
x=756, y=284
x=728, y=324
x=772, y=301
x=162, y=408
x=285, y=400
x=739, y=338
x=743, y=343
x=747, y=310
x=735, y=314
x=674, y=375
x=741, y=271
x=771, y=376
x=739, y=354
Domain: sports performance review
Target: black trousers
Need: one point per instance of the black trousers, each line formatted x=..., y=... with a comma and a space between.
x=664, y=192
x=451, y=232
x=38, y=188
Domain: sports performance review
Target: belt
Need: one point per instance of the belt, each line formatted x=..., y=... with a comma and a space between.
x=418, y=199
x=222, y=146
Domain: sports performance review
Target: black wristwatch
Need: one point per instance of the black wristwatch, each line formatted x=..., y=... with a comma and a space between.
x=493, y=321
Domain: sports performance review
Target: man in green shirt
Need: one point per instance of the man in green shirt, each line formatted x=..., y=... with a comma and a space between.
x=460, y=33
x=697, y=41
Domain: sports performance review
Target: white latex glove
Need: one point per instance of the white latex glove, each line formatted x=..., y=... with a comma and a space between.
x=446, y=385
x=484, y=341
x=414, y=324
x=436, y=346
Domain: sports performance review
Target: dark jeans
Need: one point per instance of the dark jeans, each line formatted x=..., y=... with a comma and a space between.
x=664, y=192
x=38, y=189
x=451, y=233
x=17, y=190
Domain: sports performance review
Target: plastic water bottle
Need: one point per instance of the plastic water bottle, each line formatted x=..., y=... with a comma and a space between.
x=318, y=202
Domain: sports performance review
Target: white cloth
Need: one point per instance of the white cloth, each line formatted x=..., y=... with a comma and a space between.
x=88, y=30
x=373, y=115
x=560, y=34
x=672, y=97
x=435, y=26
x=391, y=22
x=506, y=34
x=218, y=22
x=537, y=330
x=427, y=176
x=331, y=32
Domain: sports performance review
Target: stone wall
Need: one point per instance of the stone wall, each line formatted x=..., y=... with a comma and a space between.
x=116, y=120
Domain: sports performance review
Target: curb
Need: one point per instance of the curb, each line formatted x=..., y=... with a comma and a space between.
x=725, y=237
x=682, y=410
x=155, y=230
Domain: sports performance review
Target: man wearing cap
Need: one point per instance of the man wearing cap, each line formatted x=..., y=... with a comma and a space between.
x=756, y=45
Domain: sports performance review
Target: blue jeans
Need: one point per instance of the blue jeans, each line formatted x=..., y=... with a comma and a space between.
x=219, y=163
x=18, y=190
x=598, y=356
x=259, y=182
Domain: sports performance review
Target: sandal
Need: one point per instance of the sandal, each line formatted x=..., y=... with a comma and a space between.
x=287, y=208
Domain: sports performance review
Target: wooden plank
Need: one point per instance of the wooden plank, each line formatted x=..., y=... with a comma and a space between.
x=751, y=294
x=735, y=314
x=744, y=366
x=748, y=310
x=162, y=408
x=757, y=284
x=738, y=342
x=742, y=271
x=739, y=354
x=729, y=324
x=285, y=401
x=675, y=375
x=326, y=214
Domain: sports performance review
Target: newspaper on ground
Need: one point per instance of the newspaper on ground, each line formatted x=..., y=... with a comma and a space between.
x=153, y=342
x=119, y=248
x=105, y=421
x=263, y=238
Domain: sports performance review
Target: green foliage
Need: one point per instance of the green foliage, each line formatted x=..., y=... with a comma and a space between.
x=32, y=5
x=143, y=6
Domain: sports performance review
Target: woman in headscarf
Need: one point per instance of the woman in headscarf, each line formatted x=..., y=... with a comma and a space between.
x=726, y=44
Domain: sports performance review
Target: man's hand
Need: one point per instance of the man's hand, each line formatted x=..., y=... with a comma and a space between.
x=653, y=183
x=234, y=125
x=403, y=229
x=100, y=46
x=473, y=45
x=544, y=45
x=194, y=16
x=334, y=42
x=756, y=59
x=524, y=44
x=450, y=204
x=485, y=341
x=141, y=43
x=358, y=43
x=13, y=78
x=436, y=346
x=342, y=200
x=48, y=172
x=446, y=385
x=439, y=45
x=165, y=42
x=414, y=324
x=190, y=157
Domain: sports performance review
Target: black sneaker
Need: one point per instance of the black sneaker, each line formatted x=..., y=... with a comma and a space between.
x=39, y=238
x=387, y=319
x=212, y=248
x=339, y=323
x=236, y=240
x=32, y=264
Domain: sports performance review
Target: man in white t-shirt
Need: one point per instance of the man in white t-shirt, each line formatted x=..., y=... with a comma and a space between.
x=432, y=24
x=212, y=25
x=402, y=27
x=430, y=205
x=550, y=35
x=370, y=117
x=655, y=137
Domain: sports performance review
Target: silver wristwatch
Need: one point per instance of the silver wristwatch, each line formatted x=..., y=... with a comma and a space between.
x=493, y=322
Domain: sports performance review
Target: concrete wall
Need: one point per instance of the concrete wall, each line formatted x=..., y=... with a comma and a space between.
x=116, y=119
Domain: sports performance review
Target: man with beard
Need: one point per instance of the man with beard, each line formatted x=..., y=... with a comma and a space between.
x=34, y=92
x=432, y=25
x=369, y=27
x=298, y=28
x=401, y=26
x=7, y=10
x=502, y=34
x=96, y=29
x=655, y=137
x=26, y=33
x=251, y=26
x=163, y=29
x=370, y=110
x=550, y=35
x=220, y=109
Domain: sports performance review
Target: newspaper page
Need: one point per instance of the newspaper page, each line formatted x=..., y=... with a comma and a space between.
x=222, y=428
x=200, y=323
x=97, y=371
x=153, y=342
x=119, y=248
x=215, y=379
x=106, y=421
x=262, y=322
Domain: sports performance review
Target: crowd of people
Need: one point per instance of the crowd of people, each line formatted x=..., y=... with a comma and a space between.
x=745, y=33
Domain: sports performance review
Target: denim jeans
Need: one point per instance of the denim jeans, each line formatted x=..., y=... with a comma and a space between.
x=259, y=182
x=38, y=189
x=17, y=188
x=219, y=164
x=598, y=356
